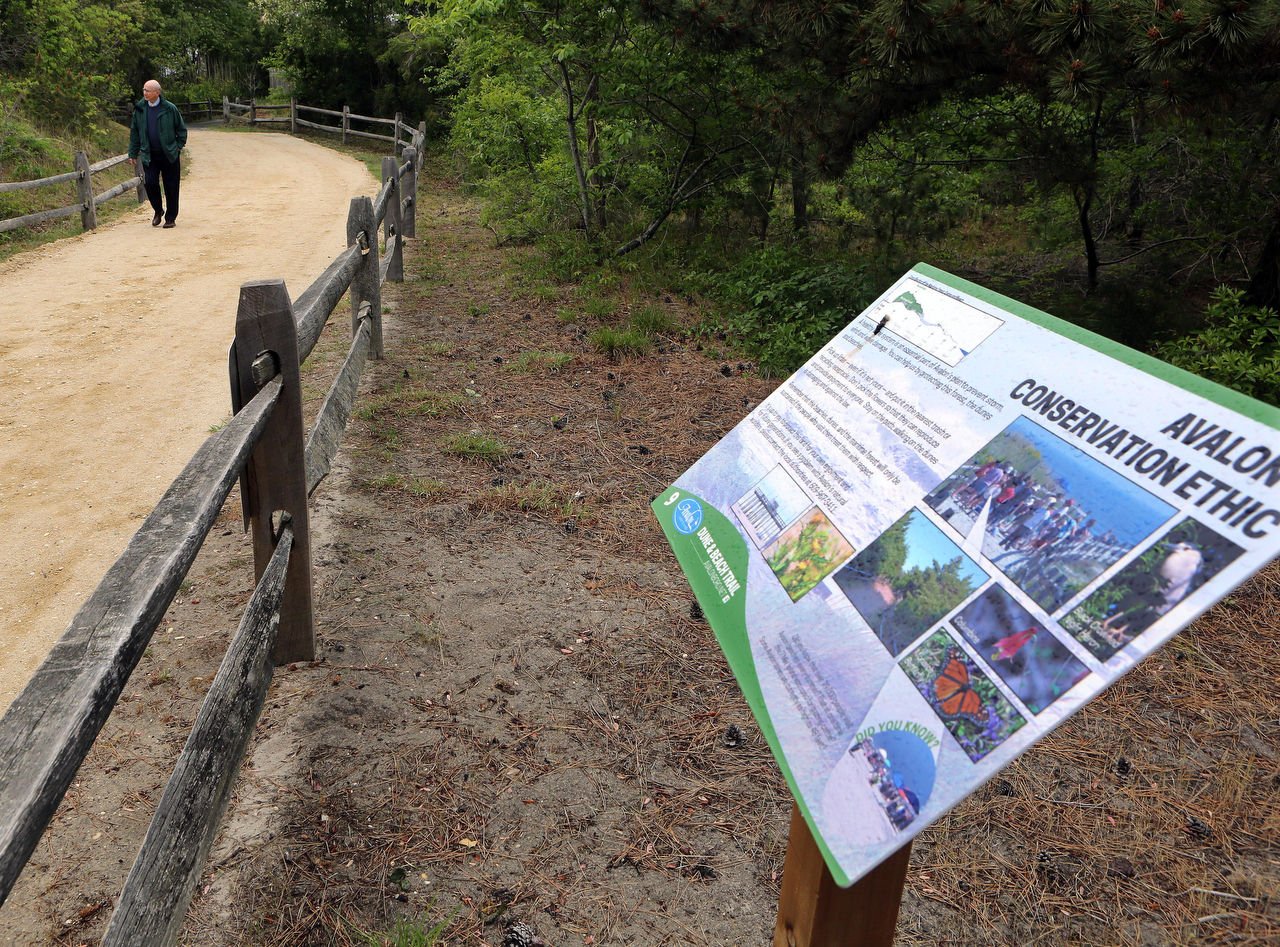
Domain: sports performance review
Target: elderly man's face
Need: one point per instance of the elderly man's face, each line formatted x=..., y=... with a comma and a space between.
x=151, y=91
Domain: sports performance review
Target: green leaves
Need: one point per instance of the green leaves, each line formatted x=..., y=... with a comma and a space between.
x=1238, y=346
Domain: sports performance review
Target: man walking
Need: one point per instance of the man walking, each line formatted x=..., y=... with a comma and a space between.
x=158, y=134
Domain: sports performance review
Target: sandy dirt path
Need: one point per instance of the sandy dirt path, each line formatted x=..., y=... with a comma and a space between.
x=113, y=353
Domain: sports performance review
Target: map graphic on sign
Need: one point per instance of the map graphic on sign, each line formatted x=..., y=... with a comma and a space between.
x=936, y=323
x=955, y=525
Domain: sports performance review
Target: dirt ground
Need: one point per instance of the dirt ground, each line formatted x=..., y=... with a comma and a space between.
x=113, y=361
x=518, y=714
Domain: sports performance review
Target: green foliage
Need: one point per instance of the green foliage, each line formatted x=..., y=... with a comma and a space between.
x=782, y=307
x=552, y=362
x=652, y=321
x=1238, y=346
x=598, y=307
x=929, y=593
x=619, y=343
x=476, y=446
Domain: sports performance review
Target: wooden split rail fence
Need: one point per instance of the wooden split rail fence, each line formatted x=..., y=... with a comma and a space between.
x=51, y=726
x=87, y=203
x=250, y=112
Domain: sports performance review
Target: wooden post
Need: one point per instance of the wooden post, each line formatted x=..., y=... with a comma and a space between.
x=421, y=143
x=409, y=184
x=293, y=116
x=88, y=213
x=346, y=122
x=275, y=477
x=253, y=110
x=366, y=285
x=226, y=110
x=813, y=911
x=391, y=220
x=395, y=148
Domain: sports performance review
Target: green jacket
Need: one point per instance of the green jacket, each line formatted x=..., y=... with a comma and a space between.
x=170, y=126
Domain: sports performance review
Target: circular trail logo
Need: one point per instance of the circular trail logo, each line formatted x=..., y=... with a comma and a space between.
x=688, y=515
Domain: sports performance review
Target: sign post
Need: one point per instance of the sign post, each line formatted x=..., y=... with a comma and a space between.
x=813, y=911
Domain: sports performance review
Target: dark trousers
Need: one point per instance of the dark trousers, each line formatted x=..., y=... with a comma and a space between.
x=163, y=170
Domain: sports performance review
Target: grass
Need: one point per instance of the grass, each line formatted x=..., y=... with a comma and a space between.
x=652, y=320
x=406, y=933
x=598, y=307
x=620, y=343
x=538, y=360
x=476, y=446
x=412, y=401
x=557, y=501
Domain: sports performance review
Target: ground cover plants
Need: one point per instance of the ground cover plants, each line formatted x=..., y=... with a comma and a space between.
x=518, y=716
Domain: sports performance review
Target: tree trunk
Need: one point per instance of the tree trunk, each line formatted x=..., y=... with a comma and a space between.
x=571, y=122
x=799, y=187
x=1264, y=287
x=1084, y=201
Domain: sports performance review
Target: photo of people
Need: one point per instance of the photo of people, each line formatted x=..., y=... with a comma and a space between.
x=1051, y=517
x=772, y=505
x=1029, y=659
x=907, y=580
x=806, y=553
x=899, y=768
x=966, y=701
x=1141, y=593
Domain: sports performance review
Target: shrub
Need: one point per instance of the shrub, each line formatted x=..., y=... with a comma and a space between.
x=1238, y=346
x=783, y=307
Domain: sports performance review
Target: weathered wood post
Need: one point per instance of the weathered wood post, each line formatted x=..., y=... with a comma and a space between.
x=84, y=186
x=409, y=183
x=275, y=478
x=391, y=220
x=366, y=285
x=346, y=122
x=421, y=142
x=253, y=110
x=226, y=110
x=293, y=116
x=396, y=134
x=813, y=911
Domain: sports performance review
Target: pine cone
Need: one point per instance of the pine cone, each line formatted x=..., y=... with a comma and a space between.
x=521, y=934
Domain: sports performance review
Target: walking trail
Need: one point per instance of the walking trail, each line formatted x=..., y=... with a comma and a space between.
x=113, y=349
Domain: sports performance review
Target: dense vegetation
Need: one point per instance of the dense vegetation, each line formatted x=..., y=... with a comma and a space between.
x=1115, y=162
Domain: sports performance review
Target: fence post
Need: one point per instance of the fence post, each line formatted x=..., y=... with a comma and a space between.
x=410, y=185
x=421, y=143
x=275, y=478
x=253, y=110
x=395, y=148
x=293, y=116
x=88, y=213
x=366, y=286
x=226, y=110
x=391, y=220
x=813, y=911
x=346, y=122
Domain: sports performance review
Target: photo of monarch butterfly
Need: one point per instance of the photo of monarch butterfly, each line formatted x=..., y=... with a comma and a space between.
x=966, y=700
x=953, y=690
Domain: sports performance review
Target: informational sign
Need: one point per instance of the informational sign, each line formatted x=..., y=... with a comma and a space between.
x=956, y=524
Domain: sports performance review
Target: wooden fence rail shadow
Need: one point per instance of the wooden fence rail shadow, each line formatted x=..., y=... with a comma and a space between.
x=52, y=724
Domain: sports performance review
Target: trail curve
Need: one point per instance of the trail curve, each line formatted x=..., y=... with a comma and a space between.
x=113, y=350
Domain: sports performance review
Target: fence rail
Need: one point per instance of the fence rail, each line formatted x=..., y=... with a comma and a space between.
x=402, y=136
x=52, y=724
x=87, y=202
